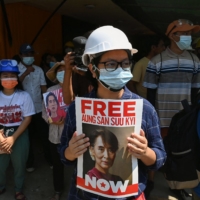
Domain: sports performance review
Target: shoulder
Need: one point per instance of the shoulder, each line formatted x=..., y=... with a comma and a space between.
x=22, y=93
x=37, y=69
x=193, y=56
x=21, y=66
x=142, y=62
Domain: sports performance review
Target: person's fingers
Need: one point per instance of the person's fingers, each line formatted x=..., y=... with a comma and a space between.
x=137, y=144
x=78, y=144
x=77, y=137
x=6, y=147
x=80, y=152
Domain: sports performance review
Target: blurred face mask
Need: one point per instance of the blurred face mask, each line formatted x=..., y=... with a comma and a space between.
x=51, y=64
x=60, y=76
x=9, y=83
x=184, y=42
x=28, y=60
x=116, y=79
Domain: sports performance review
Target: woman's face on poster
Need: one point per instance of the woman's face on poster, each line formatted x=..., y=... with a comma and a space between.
x=52, y=104
x=103, y=154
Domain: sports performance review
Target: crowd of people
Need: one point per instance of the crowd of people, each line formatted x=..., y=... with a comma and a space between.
x=163, y=77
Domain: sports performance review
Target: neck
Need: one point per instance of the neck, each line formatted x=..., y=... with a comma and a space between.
x=173, y=47
x=8, y=91
x=60, y=84
x=104, y=93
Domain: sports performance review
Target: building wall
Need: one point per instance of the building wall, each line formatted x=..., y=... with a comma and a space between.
x=25, y=21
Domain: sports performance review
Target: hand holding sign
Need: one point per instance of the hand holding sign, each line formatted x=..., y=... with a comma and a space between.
x=77, y=146
x=137, y=144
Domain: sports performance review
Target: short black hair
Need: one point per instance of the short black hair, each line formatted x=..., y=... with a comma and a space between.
x=149, y=41
x=51, y=94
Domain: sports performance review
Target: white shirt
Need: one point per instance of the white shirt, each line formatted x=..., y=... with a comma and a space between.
x=15, y=107
x=32, y=83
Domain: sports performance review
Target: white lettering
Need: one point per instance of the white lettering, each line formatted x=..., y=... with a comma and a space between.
x=89, y=181
x=118, y=186
x=105, y=185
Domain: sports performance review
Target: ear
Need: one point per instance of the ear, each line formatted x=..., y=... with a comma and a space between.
x=173, y=37
x=92, y=70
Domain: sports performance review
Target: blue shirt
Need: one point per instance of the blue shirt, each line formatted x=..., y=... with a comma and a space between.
x=150, y=125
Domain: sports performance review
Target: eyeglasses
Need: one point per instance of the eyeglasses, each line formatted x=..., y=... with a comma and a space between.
x=6, y=63
x=111, y=66
x=181, y=22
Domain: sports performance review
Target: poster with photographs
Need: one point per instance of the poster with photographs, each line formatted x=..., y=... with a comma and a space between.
x=107, y=168
x=55, y=106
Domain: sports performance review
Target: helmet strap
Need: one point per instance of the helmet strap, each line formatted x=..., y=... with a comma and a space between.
x=108, y=87
x=95, y=69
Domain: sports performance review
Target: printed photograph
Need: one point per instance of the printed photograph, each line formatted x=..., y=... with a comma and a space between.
x=107, y=157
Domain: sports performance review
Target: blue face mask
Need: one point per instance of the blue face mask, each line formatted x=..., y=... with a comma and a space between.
x=184, y=42
x=60, y=76
x=51, y=64
x=28, y=60
x=116, y=79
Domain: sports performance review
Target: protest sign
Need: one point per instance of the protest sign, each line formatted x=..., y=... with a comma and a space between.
x=54, y=104
x=107, y=168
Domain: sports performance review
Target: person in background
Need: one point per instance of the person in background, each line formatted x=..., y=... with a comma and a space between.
x=33, y=81
x=154, y=45
x=14, y=133
x=107, y=55
x=48, y=61
x=17, y=58
x=56, y=75
x=173, y=76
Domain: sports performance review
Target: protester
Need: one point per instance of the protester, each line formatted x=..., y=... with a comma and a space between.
x=153, y=45
x=174, y=75
x=109, y=47
x=14, y=133
x=56, y=75
x=33, y=81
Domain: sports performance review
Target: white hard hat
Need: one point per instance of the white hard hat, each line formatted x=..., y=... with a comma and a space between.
x=105, y=38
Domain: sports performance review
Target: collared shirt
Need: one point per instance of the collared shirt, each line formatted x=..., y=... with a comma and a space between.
x=173, y=76
x=150, y=125
x=32, y=83
x=55, y=131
